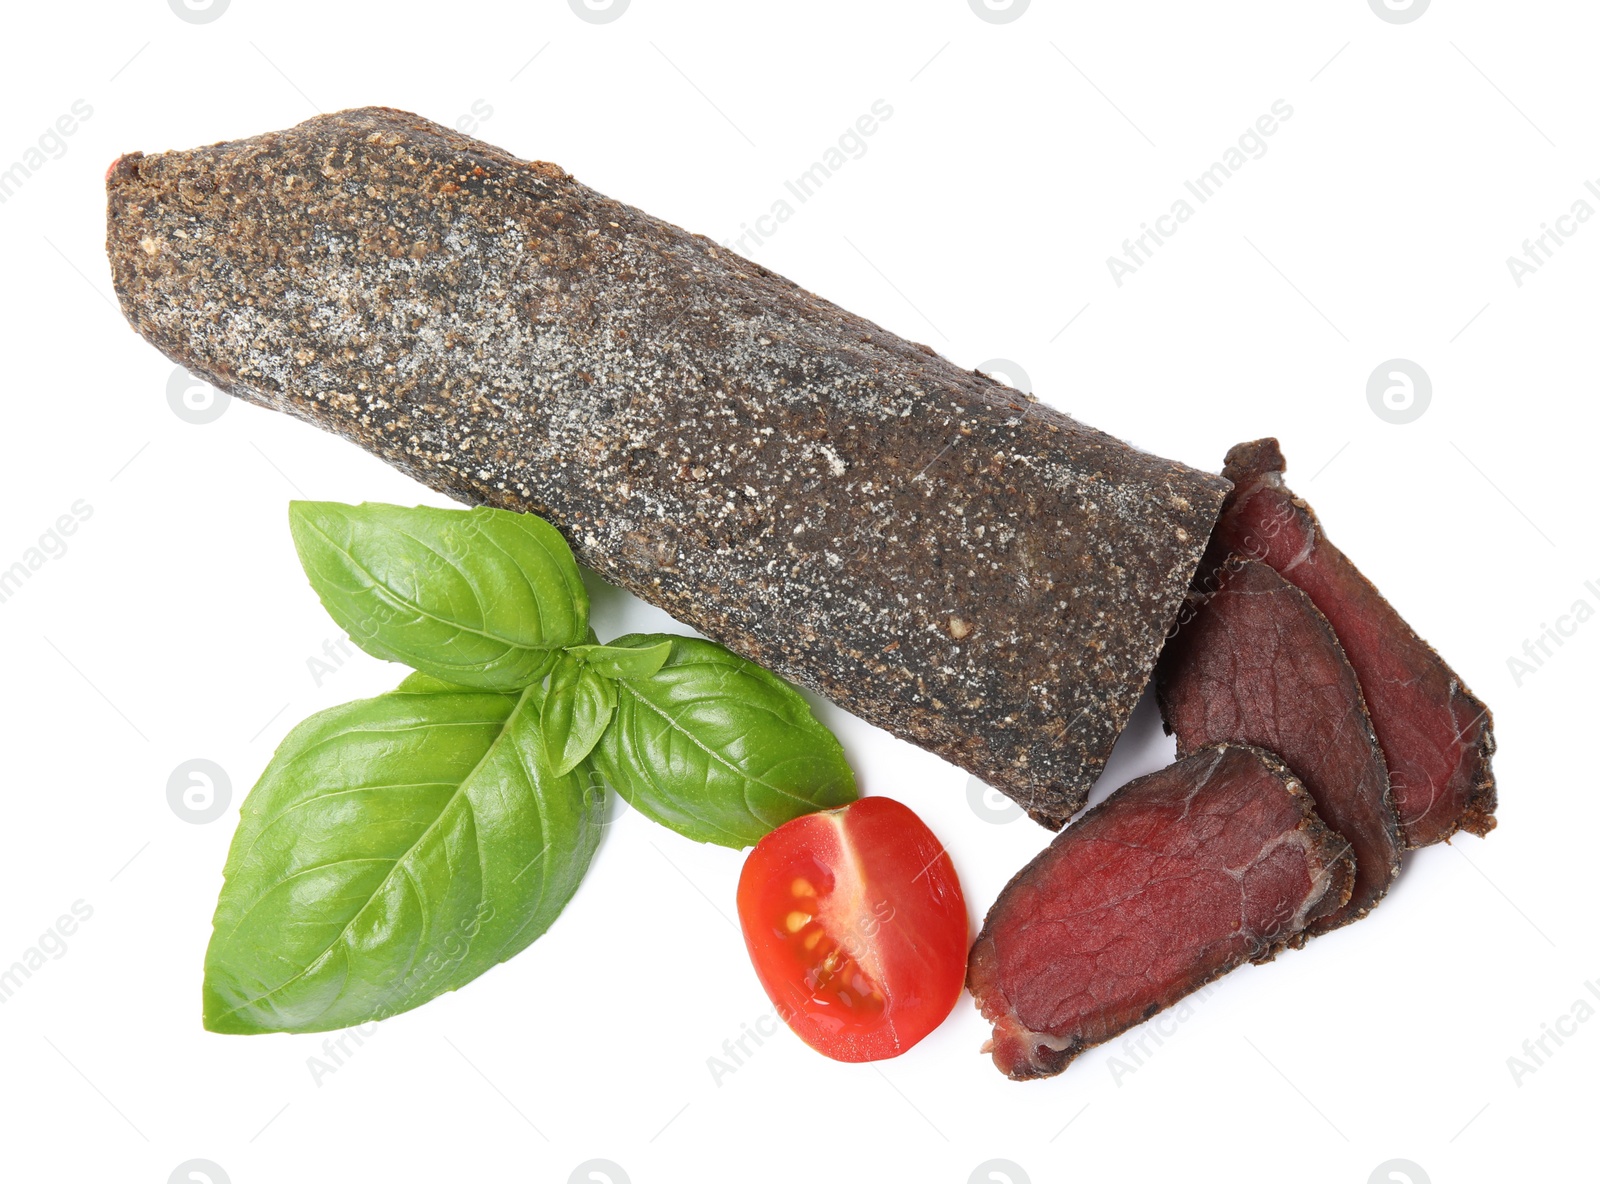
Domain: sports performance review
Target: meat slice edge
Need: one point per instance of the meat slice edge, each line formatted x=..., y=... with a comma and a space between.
x=1437, y=737
x=1258, y=664
x=1175, y=879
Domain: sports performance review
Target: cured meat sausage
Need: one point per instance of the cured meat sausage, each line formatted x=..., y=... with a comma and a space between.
x=929, y=549
x=1176, y=878
x=1258, y=664
x=1436, y=736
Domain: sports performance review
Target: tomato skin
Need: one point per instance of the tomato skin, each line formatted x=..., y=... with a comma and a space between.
x=857, y=928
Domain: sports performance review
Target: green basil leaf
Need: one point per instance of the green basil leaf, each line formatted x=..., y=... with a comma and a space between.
x=620, y=661
x=717, y=748
x=395, y=848
x=482, y=597
x=577, y=709
x=417, y=683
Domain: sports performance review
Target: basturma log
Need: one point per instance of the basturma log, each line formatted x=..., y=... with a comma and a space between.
x=929, y=549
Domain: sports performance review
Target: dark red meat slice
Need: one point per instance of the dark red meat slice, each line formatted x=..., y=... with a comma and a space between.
x=1176, y=878
x=1436, y=736
x=1258, y=664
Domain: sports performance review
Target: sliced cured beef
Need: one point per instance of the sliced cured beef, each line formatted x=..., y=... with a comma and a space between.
x=928, y=548
x=1436, y=735
x=1258, y=664
x=1176, y=878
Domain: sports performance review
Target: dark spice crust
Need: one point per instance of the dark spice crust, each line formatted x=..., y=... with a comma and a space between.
x=932, y=551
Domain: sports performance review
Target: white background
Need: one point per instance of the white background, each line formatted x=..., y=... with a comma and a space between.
x=1018, y=157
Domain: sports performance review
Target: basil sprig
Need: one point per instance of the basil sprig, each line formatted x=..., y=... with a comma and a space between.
x=576, y=711
x=395, y=848
x=717, y=748
x=482, y=598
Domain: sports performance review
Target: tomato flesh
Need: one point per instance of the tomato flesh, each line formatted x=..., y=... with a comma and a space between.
x=856, y=925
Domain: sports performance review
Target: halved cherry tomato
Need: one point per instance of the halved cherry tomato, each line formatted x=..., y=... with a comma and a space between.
x=855, y=922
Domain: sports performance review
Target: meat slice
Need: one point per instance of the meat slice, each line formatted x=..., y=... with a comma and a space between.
x=1436, y=736
x=1258, y=664
x=1175, y=879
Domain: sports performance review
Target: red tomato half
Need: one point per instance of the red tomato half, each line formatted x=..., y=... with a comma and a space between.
x=857, y=928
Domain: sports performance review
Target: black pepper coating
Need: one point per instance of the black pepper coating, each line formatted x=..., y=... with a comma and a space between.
x=931, y=550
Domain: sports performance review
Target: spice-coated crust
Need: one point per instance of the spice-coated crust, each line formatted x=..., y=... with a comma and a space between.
x=929, y=549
